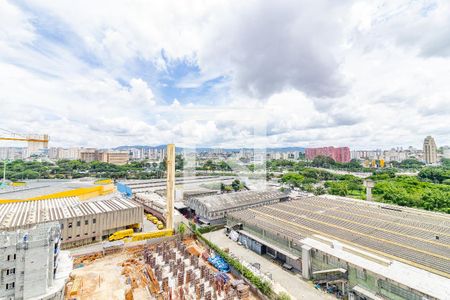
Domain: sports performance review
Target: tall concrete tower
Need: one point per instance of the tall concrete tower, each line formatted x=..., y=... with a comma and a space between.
x=429, y=150
x=369, y=184
x=170, y=164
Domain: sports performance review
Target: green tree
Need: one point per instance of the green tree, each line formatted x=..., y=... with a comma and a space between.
x=292, y=179
x=283, y=296
x=323, y=161
x=320, y=190
x=337, y=188
x=237, y=185
x=181, y=229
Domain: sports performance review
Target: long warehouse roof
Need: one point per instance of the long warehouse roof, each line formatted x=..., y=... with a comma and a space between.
x=223, y=201
x=412, y=236
x=21, y=214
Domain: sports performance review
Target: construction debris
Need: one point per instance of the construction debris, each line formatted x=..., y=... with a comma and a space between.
x=167, y=270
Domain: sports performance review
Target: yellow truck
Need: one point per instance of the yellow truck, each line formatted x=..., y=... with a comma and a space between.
x=135, y=226
x=151, y=235
x=118, y=235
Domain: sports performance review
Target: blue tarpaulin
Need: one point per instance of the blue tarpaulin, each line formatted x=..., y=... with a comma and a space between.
x=124, y=189
x=219, y=263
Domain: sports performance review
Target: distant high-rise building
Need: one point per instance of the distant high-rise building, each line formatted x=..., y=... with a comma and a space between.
x=63, y=153
x=108, y=156
x=429, y=150
x=118, y=157
x=88, y=154
x=340, y=154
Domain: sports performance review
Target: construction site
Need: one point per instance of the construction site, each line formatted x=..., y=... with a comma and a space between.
x=169, y=269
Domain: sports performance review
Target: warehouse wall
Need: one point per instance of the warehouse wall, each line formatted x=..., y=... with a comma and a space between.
x=364, y=278
x=90, y=228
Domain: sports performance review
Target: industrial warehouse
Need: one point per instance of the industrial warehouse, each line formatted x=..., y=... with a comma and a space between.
x=214, y=209
x=130, y=187
x=81, y=222
x=367, y=250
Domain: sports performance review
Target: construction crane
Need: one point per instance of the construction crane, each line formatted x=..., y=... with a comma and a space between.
x=35, y=142
x=7, y=135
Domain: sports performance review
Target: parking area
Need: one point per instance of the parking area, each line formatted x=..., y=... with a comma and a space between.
x=283, y=279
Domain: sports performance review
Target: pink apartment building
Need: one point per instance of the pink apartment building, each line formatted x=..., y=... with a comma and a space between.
x=339, y=154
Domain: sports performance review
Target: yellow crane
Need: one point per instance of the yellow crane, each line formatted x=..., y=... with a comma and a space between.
x=7, y=135
x=35, y=141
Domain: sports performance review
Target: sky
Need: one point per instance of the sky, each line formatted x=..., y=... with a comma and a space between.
x=365, y=74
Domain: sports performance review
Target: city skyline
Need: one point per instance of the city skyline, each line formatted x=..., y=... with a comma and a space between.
x=370, y=74
x=418, y=146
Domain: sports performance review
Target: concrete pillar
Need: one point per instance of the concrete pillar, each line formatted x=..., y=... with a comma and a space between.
x=170, y=164
x=369, y=184
x=306, y=262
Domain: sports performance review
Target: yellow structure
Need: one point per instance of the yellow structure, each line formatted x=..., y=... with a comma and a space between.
x=103, y=181
x=151, y=235
x=118, y=235
x=373, y=164
x=82, y=193
x=35, y=141
x=29, y=138
x=18, y=183
x=76, y=288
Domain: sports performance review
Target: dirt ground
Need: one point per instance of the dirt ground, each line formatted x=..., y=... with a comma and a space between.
x=104, y=278
x=118, y=275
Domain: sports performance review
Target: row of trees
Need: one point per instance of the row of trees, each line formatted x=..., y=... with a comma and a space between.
x=320, y=182
x=236, y=185
x=21, y=170
x=354, y=165
x=429, y=190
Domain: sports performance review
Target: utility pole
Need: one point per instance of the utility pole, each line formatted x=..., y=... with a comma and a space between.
x=170, y=190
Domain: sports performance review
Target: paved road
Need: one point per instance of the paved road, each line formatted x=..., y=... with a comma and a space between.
x=292, y=283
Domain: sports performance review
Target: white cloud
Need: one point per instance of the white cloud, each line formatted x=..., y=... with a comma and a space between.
x=365, y=74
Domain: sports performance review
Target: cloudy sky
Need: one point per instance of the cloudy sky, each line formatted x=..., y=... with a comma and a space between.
x=367, y=74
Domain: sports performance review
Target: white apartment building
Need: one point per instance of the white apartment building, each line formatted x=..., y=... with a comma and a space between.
x=64, y=153
x=12, y=153
x=31, y=263
x=156, y=154
x=429, y=150
x=137, y=154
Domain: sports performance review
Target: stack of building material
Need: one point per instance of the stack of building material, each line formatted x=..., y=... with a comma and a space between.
x=129, y=294
x=185, y=277
x=243, y=291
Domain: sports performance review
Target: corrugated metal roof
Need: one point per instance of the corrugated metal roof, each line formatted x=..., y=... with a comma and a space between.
x=27, y=213
x=218, y=202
